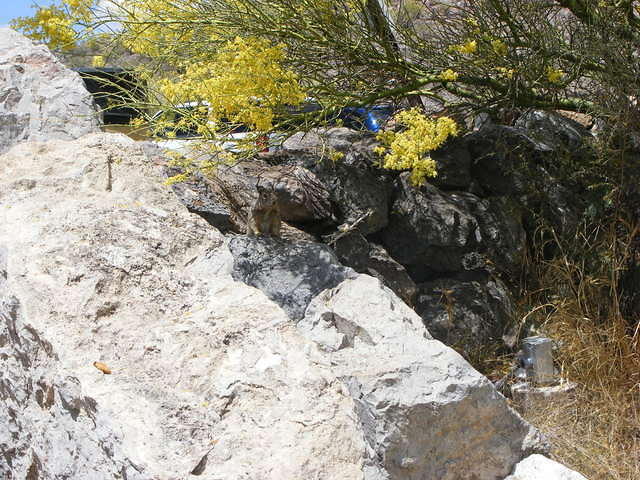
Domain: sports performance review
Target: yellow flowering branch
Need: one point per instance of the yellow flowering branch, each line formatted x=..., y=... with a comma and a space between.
x=409, y=149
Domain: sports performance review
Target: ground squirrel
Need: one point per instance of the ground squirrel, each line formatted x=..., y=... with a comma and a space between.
x=264, y=214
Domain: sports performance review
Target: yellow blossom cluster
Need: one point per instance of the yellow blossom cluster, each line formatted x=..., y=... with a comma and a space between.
x=79, y=9
x=50, y=25
x=499, y=47
x=155, y=27
x=98, y=61
x=242, y=83
x=554, y=75
x=409, y=148
x=506, y=72
x=448, y=75
x=53, y=25
x=467, y=48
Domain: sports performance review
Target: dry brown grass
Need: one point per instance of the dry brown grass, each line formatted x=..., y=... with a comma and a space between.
x=597, y=430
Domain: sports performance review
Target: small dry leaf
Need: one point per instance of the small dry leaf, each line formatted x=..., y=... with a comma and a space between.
x=102, y=367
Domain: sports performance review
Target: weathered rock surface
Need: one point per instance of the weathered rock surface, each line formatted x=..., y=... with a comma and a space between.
x=501, y=224
x=354, y=251
x=320, y=140
x=435, y=233
x=501, y=156
x=470, y=314
x=39, y=97
x=555, y=131
x=358, y=190
x=453, y=163
x=200, y=197
x=412, y=394
x=431, y=232
x=538, y=467
x=211, y=376
x=521, y=163
x=301, y=195
x=46, y=423
x=118, y=271
x=290, y=275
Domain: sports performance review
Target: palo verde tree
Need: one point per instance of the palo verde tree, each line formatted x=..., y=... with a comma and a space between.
x=245, y=61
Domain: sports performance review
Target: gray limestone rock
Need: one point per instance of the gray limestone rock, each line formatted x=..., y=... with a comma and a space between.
x=108, y=262
x=319, y=140
x=39, y=97
x=289, y=274
x=425, y=413
x=48, y=428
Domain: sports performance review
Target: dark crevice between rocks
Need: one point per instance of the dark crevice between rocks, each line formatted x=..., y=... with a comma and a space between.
x=201, y=466
x=34, y=469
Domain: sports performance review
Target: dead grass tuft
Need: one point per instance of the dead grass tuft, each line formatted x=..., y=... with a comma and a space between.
x=597, y=430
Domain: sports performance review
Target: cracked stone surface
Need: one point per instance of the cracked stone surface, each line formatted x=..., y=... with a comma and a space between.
x=210, y=375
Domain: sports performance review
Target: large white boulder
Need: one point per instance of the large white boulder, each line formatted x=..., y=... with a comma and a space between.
x=39, y=97
x=425, y=412
x=539, y=467
x=209, y=375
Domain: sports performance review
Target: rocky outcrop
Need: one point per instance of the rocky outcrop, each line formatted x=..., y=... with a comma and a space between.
x=200, y=196
x=444, y=233
x=39, y=97
x=465, y=232
x=537, y=467
x=209, y=375
x=301, y=196
x=453, y=164
x=522, y=164
x=431, y=233
x=555, y=131
x=471, y=315
x=359, y=191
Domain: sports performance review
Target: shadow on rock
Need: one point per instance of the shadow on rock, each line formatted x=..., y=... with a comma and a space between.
x=289, y=274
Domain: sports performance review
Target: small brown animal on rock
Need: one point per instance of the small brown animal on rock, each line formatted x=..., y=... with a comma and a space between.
x=264, y=214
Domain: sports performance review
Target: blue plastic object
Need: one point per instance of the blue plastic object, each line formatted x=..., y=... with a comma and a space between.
x=371, y=118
